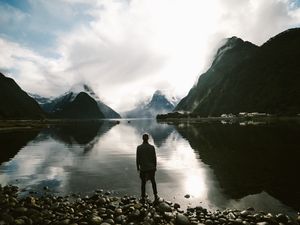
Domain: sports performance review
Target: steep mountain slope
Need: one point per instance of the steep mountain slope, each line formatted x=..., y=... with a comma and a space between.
x=15, y=103
x=51, y=105
x=82, y=107
x=158, y=104
x=247, y=78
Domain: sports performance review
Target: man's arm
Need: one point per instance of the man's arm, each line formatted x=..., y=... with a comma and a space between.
x=137, y=159
x=154, y=157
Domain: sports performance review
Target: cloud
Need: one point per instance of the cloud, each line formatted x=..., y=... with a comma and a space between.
x=127, y=49
x=31, y=70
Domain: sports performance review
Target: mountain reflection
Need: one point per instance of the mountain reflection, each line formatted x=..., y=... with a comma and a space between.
x=80, y=133
x=158, y=132
x=250, y=159
x=221, y=166
x=11, y=142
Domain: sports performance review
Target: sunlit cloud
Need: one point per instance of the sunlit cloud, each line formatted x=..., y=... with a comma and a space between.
x=128, y=48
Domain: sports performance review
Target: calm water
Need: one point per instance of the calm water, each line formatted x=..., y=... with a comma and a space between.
x=219, y=165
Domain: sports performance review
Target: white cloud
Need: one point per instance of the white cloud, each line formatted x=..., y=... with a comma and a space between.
x=31, y=71
x=128, y=49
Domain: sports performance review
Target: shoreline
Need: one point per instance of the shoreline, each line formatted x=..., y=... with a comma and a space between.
x=23, y=124
x=103, y=208
x=231, y=120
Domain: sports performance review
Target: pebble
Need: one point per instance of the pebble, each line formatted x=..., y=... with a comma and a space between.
x=176, y=206
x=209, y=222
x=164, y=207
x=65, y=222
x=282, y=218
x=19, y=222
x=181, y=220
x=262, y=223
x=96, y=220
x=245, y=213
x=103, y=209
x=187, y=196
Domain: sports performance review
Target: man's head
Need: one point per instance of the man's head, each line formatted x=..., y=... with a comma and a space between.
x=145, y=137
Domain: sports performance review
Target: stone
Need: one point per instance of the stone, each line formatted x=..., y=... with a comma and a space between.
x=231, y=216
x=245, y=213
x=21, y=210
x=120, y=219
x=99, y=190
x=46, y=188
x=19, y=222
x=169, y=215
x=208, y=222
x=180, y=210
x=181, y=220
x=7, y=218
x=110, y=221
x=176, y=206
x=136, y=213
x=96, y=220
x=222, y=220
x=238, y=221
x=164, y=207
x=118, y=211
x=138, y=205
x=65, y=222
x=187, y=196
x=262, y=223
x=30, y=200
x=101, y=201
x=257, y=216
x=282, y=218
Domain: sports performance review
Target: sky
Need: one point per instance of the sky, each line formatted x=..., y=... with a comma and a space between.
x=127, y=49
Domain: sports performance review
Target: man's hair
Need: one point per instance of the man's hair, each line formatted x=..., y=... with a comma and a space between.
x=145, y=137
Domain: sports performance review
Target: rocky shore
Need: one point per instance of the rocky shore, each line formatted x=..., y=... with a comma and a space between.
x=104, y=209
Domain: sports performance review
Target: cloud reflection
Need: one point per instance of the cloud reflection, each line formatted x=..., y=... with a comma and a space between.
x=110, y=164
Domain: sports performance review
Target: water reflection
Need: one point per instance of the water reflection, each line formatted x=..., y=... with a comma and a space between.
x=218, y=165
x=250, y=160
x=12, y=142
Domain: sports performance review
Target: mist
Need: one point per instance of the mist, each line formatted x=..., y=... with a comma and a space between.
x=125, y=50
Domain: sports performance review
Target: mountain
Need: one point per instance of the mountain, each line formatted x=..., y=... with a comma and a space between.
x=40, y=99
x=51, y=105
x=158, y=104
x=82, y=106
x=16, y=103
x=247, y=78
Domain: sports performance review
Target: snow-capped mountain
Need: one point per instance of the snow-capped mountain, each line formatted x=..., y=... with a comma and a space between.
x=159, y=103
x=40, y=99
x=53, y=105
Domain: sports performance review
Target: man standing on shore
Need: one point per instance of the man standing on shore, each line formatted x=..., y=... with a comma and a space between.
x=146, y=164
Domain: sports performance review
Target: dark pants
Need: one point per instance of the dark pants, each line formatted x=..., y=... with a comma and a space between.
x=148, y=175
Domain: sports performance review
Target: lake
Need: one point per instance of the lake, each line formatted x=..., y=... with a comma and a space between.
x=219, y=165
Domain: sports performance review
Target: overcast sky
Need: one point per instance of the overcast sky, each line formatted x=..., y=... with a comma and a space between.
x=127, y=49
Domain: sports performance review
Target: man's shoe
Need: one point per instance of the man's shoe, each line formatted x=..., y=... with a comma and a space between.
x=156, y=199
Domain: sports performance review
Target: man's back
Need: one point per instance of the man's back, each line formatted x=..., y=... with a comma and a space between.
x=146, y=157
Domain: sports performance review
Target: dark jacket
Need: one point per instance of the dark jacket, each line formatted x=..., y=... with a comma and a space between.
x=145, y=157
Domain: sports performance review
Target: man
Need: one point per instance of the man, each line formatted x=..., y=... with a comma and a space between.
x=146, y=164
